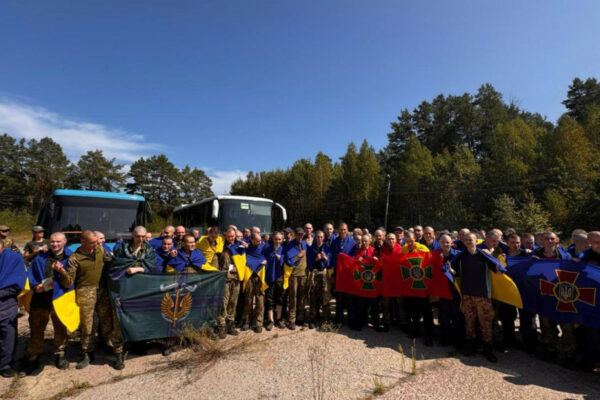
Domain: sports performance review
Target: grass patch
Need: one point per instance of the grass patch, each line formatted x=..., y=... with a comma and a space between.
x=12, y=392
x=378, y=387
x=78, y=387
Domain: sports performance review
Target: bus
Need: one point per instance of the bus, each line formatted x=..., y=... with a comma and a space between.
x=225, y=210
x=73, y=211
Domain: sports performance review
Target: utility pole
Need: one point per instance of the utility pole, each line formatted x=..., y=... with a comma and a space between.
x=387, y=201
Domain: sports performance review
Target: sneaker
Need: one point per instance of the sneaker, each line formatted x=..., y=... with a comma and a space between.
x=245, y=327
x=167, y=350
x=291, y=326
x=311, y=325
x=270, y=326
x=257, y=329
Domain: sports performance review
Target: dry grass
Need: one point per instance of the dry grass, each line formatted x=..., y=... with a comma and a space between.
x=13, y=390
x=413, y=350
x=74, y=390
x=317, y=355
x=378, y=387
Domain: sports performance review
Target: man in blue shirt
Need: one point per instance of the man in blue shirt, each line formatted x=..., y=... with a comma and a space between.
x=341, y=244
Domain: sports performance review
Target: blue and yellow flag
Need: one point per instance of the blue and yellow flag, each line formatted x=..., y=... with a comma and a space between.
x=63, y=299
x=209, y=250
x=565, y=291
x=255, y=264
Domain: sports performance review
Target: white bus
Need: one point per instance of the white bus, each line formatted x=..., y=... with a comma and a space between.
x=241, y=211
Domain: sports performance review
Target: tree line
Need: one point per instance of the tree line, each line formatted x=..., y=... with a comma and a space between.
x=458, y=160
x=31, y=170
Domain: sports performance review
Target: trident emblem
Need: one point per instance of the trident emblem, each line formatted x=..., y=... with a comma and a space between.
x=177, y=310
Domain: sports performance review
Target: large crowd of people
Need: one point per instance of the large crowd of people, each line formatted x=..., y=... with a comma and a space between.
x=292, y=284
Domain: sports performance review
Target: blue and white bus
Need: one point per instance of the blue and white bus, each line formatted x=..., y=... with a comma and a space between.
x=73, y=211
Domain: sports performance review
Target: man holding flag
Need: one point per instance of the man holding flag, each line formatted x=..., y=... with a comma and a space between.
x=254, y=285
x=342, y=244
x=12, y=281
x=42, y=280
x=295, y=266
x=473, y=266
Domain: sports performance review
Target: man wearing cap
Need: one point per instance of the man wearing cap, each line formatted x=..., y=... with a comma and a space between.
x=35, y=245
x=8, y=243
x=399, y=232
x=295, y=257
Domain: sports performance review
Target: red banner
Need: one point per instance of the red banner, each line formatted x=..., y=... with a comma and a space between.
x=361, y=278
x=415, y=275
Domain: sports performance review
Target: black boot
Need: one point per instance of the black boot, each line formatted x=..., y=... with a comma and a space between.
x=61, y=362
x=488, y=352
x=86, y=360
x=33, y=367
x=231, y=330
x=119, y=362
x=469, y=348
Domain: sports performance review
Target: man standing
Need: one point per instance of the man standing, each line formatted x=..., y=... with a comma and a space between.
x=474, y=267
x=318, y=285
x=590, y=346
x=295, y=257
x=42, y=280
x=231, y=248
x=9, y=244
x=273, y=252
x=452, y=323
x=341, y=244
x=429, y=239
x=169, y=231
x=211, y=246
x=550, y=250
x=308, y=234
x=188, y=259
x=12, y=281
x=418, y=306
x=84, y=270
x=254, y=294
x=329, y=235
x=130, y=258
x=35, y=245
x=179, y=234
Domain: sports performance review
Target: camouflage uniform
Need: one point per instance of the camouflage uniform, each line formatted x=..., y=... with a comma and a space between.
x=568, y=340
x=254, y=306
x=40, y=312
x=478, y=309
x=85, y=271
x=38, y=319
x=232, y=290
x=108, y=321
x=319, y=289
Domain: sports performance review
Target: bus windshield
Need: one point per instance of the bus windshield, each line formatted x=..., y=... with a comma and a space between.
x=245, y=214
x=114, y=217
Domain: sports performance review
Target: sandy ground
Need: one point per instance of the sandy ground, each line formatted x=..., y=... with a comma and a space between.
x=305, y=364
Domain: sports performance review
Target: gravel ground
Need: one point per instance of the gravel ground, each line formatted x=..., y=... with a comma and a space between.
x=287, y=365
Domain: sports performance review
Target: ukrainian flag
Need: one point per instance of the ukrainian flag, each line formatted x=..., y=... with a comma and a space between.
x=209, y=250
x=254, y=265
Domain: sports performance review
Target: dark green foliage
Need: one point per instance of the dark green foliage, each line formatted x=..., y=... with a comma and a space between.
x=467, y=160
x=31, y=171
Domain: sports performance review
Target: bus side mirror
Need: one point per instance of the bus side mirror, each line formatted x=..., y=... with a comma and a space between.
x=283, y=212
x=215, y=209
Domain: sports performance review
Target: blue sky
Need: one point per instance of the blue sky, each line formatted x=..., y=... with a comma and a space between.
x=232, y=86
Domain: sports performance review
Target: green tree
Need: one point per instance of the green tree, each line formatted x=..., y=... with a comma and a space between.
x=95, y=172
x=194, y=185
x=46, y=168
x=156, y=179
x=580, y=95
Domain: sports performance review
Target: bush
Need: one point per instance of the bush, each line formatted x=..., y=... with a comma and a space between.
x=20, y=222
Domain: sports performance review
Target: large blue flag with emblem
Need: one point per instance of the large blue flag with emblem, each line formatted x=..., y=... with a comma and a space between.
x=562, y=290
x=153, y=306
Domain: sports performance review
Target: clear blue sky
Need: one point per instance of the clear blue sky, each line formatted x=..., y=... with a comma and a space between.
x=252, y=85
